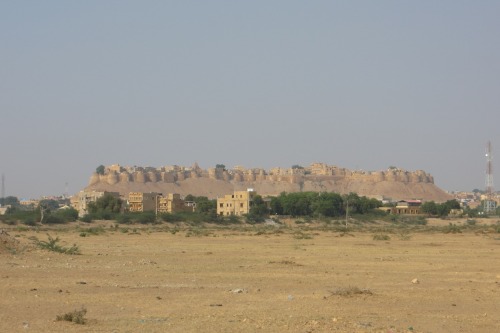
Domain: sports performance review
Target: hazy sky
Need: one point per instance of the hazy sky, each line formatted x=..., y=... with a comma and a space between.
x=357, y=84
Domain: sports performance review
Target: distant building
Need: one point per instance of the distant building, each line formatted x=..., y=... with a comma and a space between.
x=3, y=209
x=158, y=203
x=81, y=200
x=29, y=204
x=142, y=202
x=407, y=207
x=172, y=203
x=238, y=203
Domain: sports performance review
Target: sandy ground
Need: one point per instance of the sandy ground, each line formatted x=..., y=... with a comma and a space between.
x=259, y=280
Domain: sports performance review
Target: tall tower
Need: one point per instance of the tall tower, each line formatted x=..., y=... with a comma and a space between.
x=3, y=186
x=489, y=203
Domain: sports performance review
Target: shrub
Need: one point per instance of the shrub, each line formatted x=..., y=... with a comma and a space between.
x=471, y=222
x=86, y=218
x=302, y=235
x=381, y=237
x=92, y=231
x=198, y=232
x=452, y=228
x=76, y=316
x=404, y=234
x=172, y=217
x=252, y=218
x=414, y=220
x=53, y=219
x=350, y=291
x=29, y=221
x=10, y=221
x=233, y=219
x=67, y=215
x=124, y=219
x=52, y=245
x=146, y=217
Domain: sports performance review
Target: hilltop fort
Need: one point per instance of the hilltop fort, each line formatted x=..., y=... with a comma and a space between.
x=393, y=183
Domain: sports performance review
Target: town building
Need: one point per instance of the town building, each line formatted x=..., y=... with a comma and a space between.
x=407, y=207
x=142, y=202
x=29, y=204
x=81, y=201
x=238, y=203
x=158, y=203
x=3, y=209
x=172, y=203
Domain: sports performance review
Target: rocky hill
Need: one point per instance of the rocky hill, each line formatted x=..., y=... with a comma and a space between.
x=393, y=183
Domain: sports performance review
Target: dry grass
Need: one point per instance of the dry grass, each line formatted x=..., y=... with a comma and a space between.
x=350, y=291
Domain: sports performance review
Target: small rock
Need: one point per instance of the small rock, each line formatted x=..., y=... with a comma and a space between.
x=238, y=291
x=415, y=281
x=290, y=297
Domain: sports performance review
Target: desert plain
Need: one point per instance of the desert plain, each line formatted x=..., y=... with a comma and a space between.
x=252, y=278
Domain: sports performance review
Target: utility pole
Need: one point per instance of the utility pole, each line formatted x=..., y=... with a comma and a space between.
x=3, y=186
x=346, y=213
x=489, y=203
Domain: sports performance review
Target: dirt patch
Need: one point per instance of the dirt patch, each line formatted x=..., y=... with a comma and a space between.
x=8, y=244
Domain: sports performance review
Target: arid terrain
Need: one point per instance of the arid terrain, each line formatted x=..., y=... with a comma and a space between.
x=305, y=278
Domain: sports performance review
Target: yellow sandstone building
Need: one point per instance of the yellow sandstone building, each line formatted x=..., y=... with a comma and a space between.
x=238, y=203
x=142, y=202
x=172, y=203
x=156, y=202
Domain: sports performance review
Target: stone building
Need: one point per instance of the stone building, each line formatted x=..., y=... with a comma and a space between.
x=81, y=201
x=407, y=207
x=172, y=203
x=156, y=202
x=142, y=202
x=238, y=203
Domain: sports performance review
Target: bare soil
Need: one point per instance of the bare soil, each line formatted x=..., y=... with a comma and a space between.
x=154, y=279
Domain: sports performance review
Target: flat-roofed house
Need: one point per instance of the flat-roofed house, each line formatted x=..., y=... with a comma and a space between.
x=238, y=203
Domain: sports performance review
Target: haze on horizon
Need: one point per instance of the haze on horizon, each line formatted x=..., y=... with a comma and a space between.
x=357, y=84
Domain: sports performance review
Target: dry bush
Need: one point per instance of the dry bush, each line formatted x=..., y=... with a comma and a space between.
x=350, y=291
x=381, y=237
x=76, y=316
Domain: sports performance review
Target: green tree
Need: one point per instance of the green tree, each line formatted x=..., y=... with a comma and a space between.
x=430, y=208
x=258, y=206
x=49, y=204
x=327, y=204
x=276, y=207
x=100, y=169
x=445, y=208
x=205, y=205
x=67, y=214
x=10, y=200
x=107, y=203
x=220, y=166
